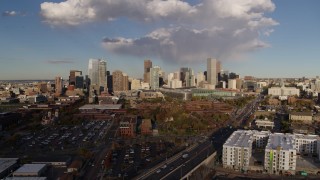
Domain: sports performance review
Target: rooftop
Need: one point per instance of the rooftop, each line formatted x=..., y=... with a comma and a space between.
x=30, y=168
x=100, y=107
x=301, y=113
x=240, y=138
x=6, y=163
x=26, y=178
x=285, y=141
x=309, y=136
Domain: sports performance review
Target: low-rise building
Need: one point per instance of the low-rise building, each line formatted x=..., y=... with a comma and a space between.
x=264, y=123
x=34, y=170
x=7, y=165
x=146, y=127
x=304, y=117
x=280, y=154
x=128, y=126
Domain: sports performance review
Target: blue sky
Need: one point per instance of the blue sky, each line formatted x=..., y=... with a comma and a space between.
x=264, y=38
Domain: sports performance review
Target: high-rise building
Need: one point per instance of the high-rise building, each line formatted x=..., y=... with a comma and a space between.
x=232, y=84
x=146, y=74
x=103, y=74
x=58, y=85
x=200, y=78
x=135, y=84
x=120, y=81
x=212, y=71
x=73, y=75
x=93, y=71
x=190, y=78
x=79, y=82
x=154, y=77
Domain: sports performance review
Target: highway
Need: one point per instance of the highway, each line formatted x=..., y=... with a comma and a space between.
x=176, y=167
x=101, y=151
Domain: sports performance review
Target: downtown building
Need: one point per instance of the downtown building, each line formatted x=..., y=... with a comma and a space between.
x=213, y=70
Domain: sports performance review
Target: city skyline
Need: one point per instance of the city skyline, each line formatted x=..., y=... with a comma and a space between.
x=42, y=40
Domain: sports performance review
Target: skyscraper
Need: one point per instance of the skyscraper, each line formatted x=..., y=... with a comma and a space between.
x=154, y=77
x=120, y=81
x=103, y=74
x=58, y=85
x=73, y=75
x=93, y=71
x=212, y=71
x=146, y=74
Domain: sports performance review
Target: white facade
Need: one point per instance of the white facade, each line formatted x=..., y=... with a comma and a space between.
x=232, y=84
x=200, y=78
x=103, y=74
x=261, y=84
x=280, y=154
x=154, y=77
x=135, y=84
x=283, y=91
x=237, y=150
x=262, y=123
x=175, y=83
x=93, y=71
x=307, y=144
x=212, y=71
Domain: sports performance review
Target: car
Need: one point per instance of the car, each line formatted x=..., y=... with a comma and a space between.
x=158, y=171
x=164, y=166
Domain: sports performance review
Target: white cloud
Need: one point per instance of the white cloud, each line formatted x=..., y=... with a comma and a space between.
x=9, y=13
x=212, y=28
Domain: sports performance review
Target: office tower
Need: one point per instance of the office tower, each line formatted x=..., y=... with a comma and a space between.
x=154, y=77
x=125, y=78
x=183, y=72
x=58, y=85
x=79, y=82
x=232, y=84
x=120, y=81
x=200, y=78
x=212, y=71
x=93, y=71
x=73, y=75
x=135, y=84
x=109, y=83
x=103, y=74
x=146, y=74
x=190, y=78
x=205, y=75
x=175, y=83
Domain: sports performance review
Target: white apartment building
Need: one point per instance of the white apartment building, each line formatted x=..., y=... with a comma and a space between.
x=280, y=154
x=260, y=138
x=307, y=144
x=175, y=83
x=237, y=150
x=283, y=91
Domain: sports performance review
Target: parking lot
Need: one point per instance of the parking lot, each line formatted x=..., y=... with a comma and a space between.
x=59, y=138
x=128, y=160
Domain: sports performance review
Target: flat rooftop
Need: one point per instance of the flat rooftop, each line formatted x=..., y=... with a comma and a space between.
x=100, y=107
x=26, y=178
x=309, y=136
x=6, y=163
x=285, y=141
x=30, y=168
x=240, y=138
